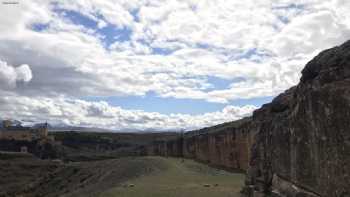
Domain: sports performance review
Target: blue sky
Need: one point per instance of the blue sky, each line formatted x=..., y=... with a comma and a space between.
x=151, y=103
x=110, y=33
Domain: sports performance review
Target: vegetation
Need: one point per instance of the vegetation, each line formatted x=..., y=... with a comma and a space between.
x=90, y=140
x=181, y=179
x=123, y=177
x=88, y=146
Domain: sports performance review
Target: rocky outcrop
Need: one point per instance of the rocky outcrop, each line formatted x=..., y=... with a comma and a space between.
x=302, y=146
x=296, y=146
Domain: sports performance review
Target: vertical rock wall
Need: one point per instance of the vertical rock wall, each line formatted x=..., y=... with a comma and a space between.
x=302, y=146
x=228, y=147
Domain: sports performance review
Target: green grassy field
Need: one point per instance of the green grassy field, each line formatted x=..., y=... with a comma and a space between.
x=181, y=179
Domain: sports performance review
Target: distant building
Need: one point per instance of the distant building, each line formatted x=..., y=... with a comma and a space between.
x=18, y=132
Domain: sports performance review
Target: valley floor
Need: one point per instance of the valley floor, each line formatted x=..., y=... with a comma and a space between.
x=27, y=176
x=181, y=178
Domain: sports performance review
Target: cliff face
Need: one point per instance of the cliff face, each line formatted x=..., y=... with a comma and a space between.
x=302, y=146
x=296, y=146
x=225, y=146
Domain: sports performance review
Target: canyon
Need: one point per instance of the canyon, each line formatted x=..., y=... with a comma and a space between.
x=296, y=146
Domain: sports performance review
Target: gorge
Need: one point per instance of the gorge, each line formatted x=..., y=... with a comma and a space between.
x=296, y=146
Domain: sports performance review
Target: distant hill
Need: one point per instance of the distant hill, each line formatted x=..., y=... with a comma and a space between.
x=74, y=128
x=58, y=127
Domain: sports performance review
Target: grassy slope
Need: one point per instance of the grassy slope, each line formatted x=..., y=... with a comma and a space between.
x=28, y=176
x=181, y=179
x=88, y=179
x=19, y=172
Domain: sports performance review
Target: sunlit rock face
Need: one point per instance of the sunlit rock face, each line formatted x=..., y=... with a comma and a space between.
x=296, y=146
x=303, y=143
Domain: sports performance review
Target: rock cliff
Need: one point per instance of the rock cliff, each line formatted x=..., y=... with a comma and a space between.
x=296, y=146
x=225, y=146
x=302, y=146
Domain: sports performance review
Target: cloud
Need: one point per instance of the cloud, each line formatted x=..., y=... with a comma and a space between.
x=10, y=75
x=101, y=114
x=309, y=34
x=216, y=39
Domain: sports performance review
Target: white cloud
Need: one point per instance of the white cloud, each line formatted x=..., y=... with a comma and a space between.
x=23, y=73
x=101, y=24
x=309, y=34
x=228, y=30
x=10, y=75
x=82, y=113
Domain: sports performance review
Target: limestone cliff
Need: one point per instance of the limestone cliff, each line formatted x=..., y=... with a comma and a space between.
x=296, y=146
x=302, y=146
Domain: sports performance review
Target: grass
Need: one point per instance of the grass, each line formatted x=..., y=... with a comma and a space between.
x=181, y=179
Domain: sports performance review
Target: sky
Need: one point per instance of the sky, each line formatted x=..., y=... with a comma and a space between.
x=160, y=65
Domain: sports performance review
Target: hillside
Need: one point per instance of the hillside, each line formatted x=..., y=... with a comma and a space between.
x=84, y=146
